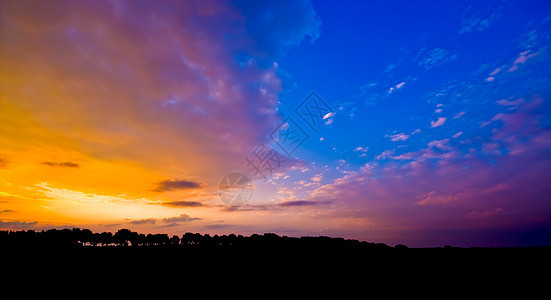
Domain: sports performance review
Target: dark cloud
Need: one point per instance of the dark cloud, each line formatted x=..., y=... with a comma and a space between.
x=16, y=224
x=110, y=225
x=180, y=218
x=144, y=221
x=184, y=203
x=166, y=222
x=5, y=211
x=176, y=184
x=66, y=164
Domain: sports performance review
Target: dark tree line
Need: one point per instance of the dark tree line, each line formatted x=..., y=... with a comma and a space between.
x=126, y=238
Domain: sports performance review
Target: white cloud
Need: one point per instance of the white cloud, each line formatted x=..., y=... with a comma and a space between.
x=457, y=134
x=317, y=178
x=416, y=131
x=329, y=118
x=396, y=87
x=440, y=144
x=329, y=115
x=361, y=149
x=438, y=122
x=398, y=137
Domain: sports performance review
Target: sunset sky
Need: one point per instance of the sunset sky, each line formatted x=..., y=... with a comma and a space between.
x=425, y=123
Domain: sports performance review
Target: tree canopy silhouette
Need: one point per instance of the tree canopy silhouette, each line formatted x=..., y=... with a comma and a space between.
x=76, y=237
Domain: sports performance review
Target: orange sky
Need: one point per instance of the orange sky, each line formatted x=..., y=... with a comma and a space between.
x=99, y=108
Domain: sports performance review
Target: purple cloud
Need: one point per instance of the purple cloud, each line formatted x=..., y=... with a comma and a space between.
x=446, y=188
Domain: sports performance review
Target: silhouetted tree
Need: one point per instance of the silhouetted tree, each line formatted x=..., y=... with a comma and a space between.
x=105, y=238
x=174, y=240
x=123, y=236
x=77, y=237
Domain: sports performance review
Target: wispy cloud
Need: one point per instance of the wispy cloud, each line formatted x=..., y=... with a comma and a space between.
x=386, y=154
x=537, y=35
x=521, y=59
x=513, y=104
x=495, y=71
x=435, y=57
x=459, y=115
x=477, y=19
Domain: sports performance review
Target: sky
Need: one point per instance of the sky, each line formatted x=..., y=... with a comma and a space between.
x=425, y=123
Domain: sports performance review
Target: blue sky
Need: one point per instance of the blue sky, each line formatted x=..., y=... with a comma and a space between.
x=442, y=52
